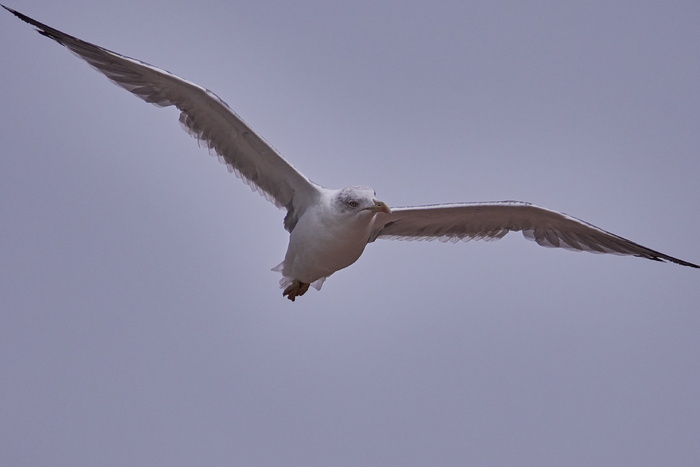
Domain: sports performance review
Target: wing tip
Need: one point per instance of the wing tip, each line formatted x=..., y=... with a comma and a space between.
x=669, y=259
x=41, y=28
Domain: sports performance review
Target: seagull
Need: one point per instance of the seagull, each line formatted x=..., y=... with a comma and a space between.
x=329, y=229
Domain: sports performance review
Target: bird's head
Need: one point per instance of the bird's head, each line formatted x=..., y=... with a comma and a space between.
x=359, y=199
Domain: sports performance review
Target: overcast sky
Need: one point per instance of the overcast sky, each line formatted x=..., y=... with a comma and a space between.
x=140, y=323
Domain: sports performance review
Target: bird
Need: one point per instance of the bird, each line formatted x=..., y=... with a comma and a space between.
x=330, y=228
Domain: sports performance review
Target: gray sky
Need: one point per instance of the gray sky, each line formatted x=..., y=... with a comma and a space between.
x=140, y=323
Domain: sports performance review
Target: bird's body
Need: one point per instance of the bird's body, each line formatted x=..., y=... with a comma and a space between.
x=329, y=236
x=329, y=229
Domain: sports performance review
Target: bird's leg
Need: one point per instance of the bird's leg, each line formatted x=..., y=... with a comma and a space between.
x=296, y=289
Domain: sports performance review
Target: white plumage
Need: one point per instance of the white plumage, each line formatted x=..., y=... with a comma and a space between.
x=329, y=229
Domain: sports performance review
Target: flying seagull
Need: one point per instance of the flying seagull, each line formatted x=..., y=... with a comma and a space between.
x=329, y=229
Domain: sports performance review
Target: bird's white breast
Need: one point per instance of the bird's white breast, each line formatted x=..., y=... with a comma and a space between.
x=324, y=241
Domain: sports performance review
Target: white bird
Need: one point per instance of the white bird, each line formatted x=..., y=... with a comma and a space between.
x=329, y=229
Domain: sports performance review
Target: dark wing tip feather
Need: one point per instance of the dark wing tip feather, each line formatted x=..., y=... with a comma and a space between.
x=42, y=29
x=665, y=258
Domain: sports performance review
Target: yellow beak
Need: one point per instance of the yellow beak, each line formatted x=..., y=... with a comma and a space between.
x=380, y=206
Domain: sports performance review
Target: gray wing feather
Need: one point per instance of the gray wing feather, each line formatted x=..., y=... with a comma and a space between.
x=491, y=221
x=204, y=116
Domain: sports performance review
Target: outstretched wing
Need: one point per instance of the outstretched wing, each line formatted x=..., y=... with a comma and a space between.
x=491, y=221
x=205, y=116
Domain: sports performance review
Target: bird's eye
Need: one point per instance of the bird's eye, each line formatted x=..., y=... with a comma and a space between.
x=353, y=203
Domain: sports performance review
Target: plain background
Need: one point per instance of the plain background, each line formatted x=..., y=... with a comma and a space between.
x=140, y=323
